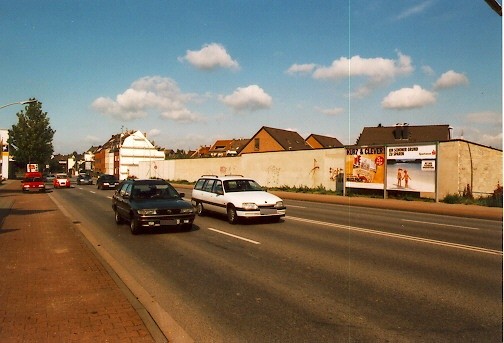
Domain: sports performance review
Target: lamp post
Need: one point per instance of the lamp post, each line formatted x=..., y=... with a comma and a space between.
x=20, y=103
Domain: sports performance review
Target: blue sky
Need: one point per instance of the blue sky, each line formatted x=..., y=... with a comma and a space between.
x=190, y=72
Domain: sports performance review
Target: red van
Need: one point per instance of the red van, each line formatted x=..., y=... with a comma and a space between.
x=33, y=181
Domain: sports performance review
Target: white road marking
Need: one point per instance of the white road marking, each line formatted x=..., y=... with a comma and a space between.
x=234, y=236
x=399, y=236
x=296, y=206
x=447, y=225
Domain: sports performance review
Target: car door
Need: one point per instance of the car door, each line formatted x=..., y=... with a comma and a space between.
x=122, y=199
x=218, y=197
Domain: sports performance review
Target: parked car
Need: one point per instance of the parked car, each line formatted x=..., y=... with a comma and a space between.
x=150, y=204
x=61, y=180
x=49, y=178
x=235, y=196
x=33, y=181
x=107, y=181
x=84, y=179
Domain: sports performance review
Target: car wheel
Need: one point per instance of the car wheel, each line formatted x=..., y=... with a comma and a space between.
x=231, y=214
x=199, y=209
x=134, y=228
x=118, y=218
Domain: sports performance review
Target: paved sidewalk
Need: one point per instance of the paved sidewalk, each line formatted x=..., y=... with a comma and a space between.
x=52, y=286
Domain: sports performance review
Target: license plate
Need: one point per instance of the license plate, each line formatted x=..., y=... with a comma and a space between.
x=170, y=222
x=268, y=211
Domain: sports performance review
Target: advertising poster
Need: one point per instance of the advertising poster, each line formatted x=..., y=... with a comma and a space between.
x=411, y=168
x=365, y=167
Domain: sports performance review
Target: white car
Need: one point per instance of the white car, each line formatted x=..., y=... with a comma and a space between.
x=235, y=196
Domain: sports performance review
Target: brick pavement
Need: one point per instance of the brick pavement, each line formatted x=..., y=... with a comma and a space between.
x=52, y=287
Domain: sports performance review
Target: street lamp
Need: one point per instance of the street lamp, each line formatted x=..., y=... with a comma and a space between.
x=20, y=103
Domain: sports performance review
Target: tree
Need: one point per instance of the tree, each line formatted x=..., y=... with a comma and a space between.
x=31, y=139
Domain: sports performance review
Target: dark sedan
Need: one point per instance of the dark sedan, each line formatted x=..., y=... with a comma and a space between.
x=150, y=204
x=107, y=181
x=84, y=180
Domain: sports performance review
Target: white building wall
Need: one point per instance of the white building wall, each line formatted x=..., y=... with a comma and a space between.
x=4, y=160
x=136, y=148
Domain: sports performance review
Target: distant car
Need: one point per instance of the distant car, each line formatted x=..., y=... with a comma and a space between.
x=107, y=181
x=50, y=177
x=150, y=204
x=84, y=180
x=61, y=180
x=235, y=196
x=33, y=181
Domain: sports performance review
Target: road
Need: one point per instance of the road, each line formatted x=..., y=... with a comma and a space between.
x=327, y=273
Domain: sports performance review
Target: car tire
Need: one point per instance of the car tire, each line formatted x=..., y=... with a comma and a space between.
x=118, y=218
x=134, y=227
x=231, y=215
x=199, y=209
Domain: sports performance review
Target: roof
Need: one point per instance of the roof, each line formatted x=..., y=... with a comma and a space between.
x=289, y=140
x=403, y=133
x=326, y=141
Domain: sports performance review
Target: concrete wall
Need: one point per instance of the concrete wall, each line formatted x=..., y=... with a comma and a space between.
x=310, y=168
x=458, y=163
x=462, y=163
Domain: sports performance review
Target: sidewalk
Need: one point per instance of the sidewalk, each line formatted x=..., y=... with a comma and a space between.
x=52, y=286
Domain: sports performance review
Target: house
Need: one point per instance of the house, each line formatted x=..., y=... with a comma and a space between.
x=202, y=151
x=269, y=139
x=321, y=142
x=227, y=147
x=404, y=133
x=124, y=151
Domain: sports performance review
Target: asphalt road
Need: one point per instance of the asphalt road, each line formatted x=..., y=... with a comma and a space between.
x=327, y=273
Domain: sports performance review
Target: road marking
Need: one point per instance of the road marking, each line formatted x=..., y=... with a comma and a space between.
x=448, y=225
x=234, y=236
x=296, y=206
x=399, y=236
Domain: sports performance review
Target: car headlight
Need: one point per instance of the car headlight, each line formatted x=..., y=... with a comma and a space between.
x=187, y=210
x=146, y=212
x=279, y=204
x=249, y=206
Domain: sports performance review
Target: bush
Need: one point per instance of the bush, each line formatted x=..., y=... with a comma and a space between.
x=494, y=200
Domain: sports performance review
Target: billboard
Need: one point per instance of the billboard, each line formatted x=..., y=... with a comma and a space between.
x=365, y=167
x=411, y=168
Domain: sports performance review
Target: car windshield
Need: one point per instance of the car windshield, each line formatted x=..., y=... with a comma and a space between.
x=241, y=186
x=154, y=191
x=62, y=176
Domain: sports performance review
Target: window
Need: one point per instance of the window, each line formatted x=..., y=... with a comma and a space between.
x=218, y=187
x=208, y=185
x=256, y=144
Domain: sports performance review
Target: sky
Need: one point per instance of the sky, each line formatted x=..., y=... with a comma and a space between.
x=188, y=73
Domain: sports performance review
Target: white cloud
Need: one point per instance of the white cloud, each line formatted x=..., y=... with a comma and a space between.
x=154, y=133
x=330, y=111
x=376, y=71
x=408, y=98
x=250, y=98
x=427, y=70
x=210, y=56
x=451, y=79
x=485, y=117
x=301, y=68
x=150, y=93
x=414, y=10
